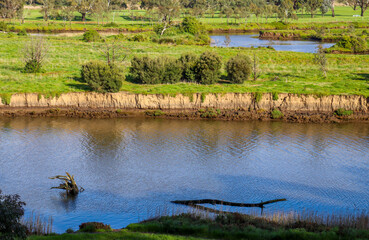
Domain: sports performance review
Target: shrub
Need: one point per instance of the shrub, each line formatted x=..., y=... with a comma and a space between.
x=91, y=36
x=193, y=26
x=158, y=70
x=11, y=211
x=188, y=62
x=353, y=43
x=34, y=55
x=102, y=77
x=239, y=68
x=22, y=32
x=275, y=96
x=112, y=24
x=208, y=67
x=343, y=112
x=94, y=227
x=3, y=26
x=276, y=114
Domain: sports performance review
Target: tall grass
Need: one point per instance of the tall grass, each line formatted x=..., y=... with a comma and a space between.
x=38, y=225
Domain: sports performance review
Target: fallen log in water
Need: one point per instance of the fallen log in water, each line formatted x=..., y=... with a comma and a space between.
x=219, y=202
x=69, y=184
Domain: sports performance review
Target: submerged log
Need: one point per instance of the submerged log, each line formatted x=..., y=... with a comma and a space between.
x=194, y=203
x=69, y=184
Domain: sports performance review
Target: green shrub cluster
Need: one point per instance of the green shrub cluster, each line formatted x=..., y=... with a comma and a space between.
x=193, y=26
x=22, y=32
x=33, y=66
x=112, y=25
x=353, y=43
x=3, y=26
x=343, y=112
x=239, y=68
x=11, y=212
x=94, y=227
x=157, y=70
x=91, y=36
x=102, y=77
x=207, y=68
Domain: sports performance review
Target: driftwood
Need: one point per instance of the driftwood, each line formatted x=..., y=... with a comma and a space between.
x=194, y=204
x=69, y=184
x=218, y=202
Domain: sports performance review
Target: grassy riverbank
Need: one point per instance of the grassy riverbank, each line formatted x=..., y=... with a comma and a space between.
x=231, y=226
x=282, y=72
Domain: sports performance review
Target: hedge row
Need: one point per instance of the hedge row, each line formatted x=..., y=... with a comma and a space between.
x=203, y=69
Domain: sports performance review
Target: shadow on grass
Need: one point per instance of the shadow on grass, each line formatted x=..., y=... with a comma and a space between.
x=13, y=68
x=362, y=77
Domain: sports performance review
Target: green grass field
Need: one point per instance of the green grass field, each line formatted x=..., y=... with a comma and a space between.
x=282, y=72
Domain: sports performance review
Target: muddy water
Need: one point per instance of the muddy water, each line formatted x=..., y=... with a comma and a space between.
x=133, y=168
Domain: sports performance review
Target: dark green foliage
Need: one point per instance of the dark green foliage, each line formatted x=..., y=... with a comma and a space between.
x=210, y=113
x=276, y=114
x=11, y=212
x=353, y=43
x=158, y=70
x=193, y=26
x=239, y=68
x=3, y=26
x=112, y=25
x=69, y=230
x=33, y=66
x=208, y=67
x=93, y=227
x=102, y=77
x=22, y=32
x=91, y=36
x=343, y=112
x=188, y=62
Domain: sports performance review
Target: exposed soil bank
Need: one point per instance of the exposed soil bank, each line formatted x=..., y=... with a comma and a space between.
x=229, y=106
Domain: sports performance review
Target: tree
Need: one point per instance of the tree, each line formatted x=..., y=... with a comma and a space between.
x=321, y=60
x=166, y=10
x=11, y=211
x=84, y=7
x=285, y=9
x=11, y=8
x=47, y=7
x=313, y=5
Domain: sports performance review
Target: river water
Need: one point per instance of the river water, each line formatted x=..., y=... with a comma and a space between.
x=132, y=168
x=252, y=40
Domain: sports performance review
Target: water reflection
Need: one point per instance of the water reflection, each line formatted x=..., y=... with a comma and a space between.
x=132, y=167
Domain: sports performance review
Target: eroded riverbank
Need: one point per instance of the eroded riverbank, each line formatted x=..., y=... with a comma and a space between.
x=229, y=106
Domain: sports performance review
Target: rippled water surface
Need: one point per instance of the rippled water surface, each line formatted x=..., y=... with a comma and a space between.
x=130, y=168
x=252, y=40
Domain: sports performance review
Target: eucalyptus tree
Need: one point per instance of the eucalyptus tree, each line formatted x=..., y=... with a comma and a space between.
x=11, y=8
x=313, y=5
x=84, y=7
x=47, y=7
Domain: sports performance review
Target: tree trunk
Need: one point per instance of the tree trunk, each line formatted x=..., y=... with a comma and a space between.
x=312, y=15
x=332, y=8
x=83, y=17
x=362, y=11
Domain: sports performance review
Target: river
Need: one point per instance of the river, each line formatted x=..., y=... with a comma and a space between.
x=132, y=168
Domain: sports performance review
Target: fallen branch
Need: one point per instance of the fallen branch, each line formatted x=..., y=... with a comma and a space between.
x=69, y=184
x=219, y=202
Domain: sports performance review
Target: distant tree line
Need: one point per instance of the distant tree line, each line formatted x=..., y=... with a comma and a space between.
x=167, y=10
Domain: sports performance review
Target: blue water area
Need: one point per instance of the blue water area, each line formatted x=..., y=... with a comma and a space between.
x=132, y=168
x=252, y=40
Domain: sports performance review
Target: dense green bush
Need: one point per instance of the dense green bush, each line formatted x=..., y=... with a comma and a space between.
x=208, y=67
x=193, y=26
x=91, y=36
x=11, y=212
x=188, y=62
x=112, y=25
x=33, y=66
x=94, y=227
x=158, y=70
x=22, y=32
x=3, y=26
x=353, y=43
x=102, y=77
x=239, y=68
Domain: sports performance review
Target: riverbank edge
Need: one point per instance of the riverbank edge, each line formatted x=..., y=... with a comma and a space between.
x=227, y=106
